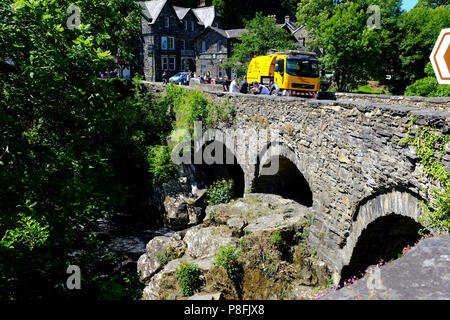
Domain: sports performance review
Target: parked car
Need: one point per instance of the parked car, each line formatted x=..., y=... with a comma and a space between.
x=177, y=78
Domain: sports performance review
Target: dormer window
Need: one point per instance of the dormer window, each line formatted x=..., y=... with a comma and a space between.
x=192, y=26
x=186, y=24
x=166, y=22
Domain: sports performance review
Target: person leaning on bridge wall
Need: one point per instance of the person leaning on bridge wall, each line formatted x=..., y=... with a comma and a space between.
x=259, y=89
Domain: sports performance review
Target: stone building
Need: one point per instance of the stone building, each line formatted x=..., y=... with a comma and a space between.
x=299, y=34
x=166, y=41
x=213, y=47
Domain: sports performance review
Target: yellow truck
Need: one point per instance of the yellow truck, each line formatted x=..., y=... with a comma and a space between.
x=287, y=73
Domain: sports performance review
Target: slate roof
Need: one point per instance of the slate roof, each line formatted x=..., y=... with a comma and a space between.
x=153, y=8
x=206, y=15
x=229, y=34
x=181, y=12
x=235, y=33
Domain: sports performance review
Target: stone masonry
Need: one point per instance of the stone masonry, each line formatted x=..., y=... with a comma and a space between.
x=348, y=152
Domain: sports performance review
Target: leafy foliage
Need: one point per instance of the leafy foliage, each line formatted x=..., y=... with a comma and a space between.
x=351, y=49
x=188, y=275
x=29, y=234
x=221, y=191
x=399, y=48
x=428, y=86
x=419, y=29
x=67, y=132
x=227, y=257
x=161, y=165
x=430, y=148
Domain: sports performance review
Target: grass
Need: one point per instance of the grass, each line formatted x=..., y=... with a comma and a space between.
x=368, y=90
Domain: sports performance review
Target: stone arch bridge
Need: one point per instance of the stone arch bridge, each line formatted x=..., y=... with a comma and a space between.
x=342, y=160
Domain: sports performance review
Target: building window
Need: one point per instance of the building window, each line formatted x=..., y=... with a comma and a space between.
x=203, y=46
x=183, y=44
x=192, y=26
x=166, y=22
x=164, y=43
x=171, y=43
x=165, y=62
x=203, y=70
x=186, y=23
x=219, y=46
x=172, y=63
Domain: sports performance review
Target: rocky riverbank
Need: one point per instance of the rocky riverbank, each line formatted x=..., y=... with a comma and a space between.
x=269, y=232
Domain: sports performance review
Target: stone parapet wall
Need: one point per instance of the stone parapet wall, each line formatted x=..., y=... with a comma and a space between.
x=439, y=104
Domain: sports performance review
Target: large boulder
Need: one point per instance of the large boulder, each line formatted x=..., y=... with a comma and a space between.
x=163, y=285
x=182, y=211
x=423, y=273
x=205, y=242
x=181, y=200
x=150, y=262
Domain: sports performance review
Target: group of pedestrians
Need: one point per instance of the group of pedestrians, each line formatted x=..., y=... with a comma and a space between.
x=243, y=87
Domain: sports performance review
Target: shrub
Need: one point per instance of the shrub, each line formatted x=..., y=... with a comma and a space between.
x=168, y=255
x=276, y=238
x=160, y=164
x=220, y=113
x=221, y=191
x=192, y=107
x=428, y=86
x=188, y=275
x=227, y=257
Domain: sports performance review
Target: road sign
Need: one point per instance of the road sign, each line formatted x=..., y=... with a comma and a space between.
x=440, y=57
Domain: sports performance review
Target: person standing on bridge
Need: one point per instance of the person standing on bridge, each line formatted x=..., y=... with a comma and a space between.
x=243, y=86
x=234, y=86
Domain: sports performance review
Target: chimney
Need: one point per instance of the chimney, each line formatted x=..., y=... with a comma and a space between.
x=287, y=19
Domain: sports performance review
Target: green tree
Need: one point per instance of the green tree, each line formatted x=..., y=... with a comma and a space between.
x=263, y=34
x=64, y=130
x=418, y=32
x=349, y=46
x=432, y=3
x=353, y=51
x=219, y=5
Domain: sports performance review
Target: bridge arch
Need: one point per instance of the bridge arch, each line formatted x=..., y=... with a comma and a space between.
x=290, y=181
x=383, y=225
x=227, y=167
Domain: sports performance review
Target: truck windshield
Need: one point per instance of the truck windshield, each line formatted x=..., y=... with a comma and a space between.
x=302, y=68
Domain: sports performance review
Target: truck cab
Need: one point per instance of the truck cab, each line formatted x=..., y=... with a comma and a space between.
x=287, y=74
